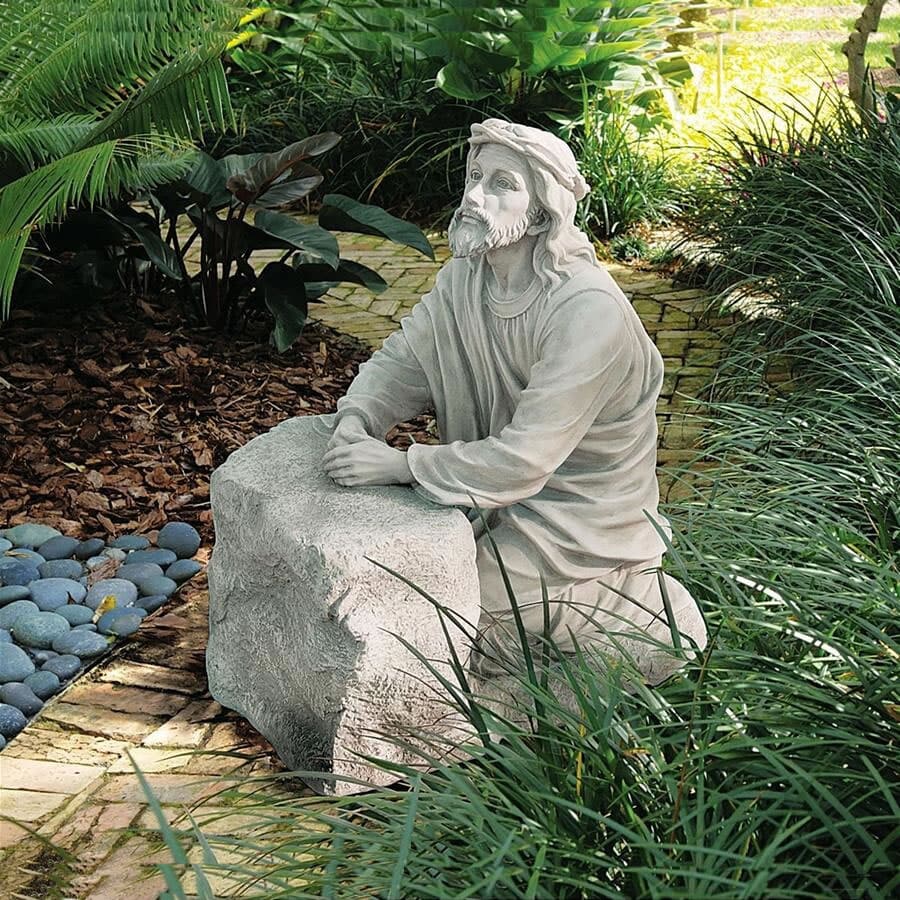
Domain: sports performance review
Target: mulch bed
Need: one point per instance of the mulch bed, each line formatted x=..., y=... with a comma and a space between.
x=114, y=413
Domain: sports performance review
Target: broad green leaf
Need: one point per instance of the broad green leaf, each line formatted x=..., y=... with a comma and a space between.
x=347, y=270
x=284, y=293
x=160, y=253
x=310, y=238
x=284, y=192
x=340, y=213
x=603, y=52
x=456, y=80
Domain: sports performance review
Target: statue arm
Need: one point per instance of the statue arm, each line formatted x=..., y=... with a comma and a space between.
x=586, y=359
x=391, y=387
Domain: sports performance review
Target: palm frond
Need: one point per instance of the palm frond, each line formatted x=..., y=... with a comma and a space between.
x=33, y=142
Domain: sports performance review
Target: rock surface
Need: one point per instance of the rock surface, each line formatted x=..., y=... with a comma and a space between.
x=302, y=625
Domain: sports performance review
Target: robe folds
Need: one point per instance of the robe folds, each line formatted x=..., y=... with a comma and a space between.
x=546, y=408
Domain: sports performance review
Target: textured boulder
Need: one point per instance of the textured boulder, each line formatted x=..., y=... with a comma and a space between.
x=302, y=625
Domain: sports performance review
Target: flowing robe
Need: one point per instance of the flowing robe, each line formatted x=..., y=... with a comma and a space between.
x=546, y=406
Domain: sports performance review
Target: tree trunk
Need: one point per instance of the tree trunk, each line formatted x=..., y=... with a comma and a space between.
x=855, y=51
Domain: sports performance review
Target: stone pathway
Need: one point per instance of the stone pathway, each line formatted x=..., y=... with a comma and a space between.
x=76, y=823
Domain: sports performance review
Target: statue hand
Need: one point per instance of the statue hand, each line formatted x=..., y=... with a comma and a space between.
x=349, y=430
x=369, y=461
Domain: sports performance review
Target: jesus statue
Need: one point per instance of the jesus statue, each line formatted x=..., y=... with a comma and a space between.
x=544, y=383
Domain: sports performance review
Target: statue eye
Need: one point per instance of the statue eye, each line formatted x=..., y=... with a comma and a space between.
x=475, y=176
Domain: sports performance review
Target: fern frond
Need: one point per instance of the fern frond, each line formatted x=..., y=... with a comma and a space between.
x=32, y=143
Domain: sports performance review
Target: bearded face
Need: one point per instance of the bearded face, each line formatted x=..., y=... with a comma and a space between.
x=473, y=231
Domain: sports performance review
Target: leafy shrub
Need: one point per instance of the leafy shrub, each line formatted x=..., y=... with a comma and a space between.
x=99, y=99
x=218, y=196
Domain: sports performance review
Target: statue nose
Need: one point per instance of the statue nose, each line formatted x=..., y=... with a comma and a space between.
x=475, y=196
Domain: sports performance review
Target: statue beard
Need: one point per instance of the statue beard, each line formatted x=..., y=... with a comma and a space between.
x=472, y=232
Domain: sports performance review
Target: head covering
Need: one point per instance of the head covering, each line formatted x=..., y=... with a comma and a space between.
x=537, y=146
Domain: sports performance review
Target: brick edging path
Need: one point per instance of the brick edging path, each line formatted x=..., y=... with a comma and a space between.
x=67, y=776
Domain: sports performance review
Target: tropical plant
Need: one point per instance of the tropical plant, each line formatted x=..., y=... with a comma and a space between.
x=232, y=207
x=99, y=98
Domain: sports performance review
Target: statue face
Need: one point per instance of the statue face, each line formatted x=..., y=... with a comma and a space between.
x=496, y=204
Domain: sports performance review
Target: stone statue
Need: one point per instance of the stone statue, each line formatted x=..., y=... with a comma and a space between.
x=544, y=383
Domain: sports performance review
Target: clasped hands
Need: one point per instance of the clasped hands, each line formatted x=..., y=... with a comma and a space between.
x=355, y=458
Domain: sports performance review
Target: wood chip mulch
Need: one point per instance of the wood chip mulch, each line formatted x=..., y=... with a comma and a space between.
x=114, y=414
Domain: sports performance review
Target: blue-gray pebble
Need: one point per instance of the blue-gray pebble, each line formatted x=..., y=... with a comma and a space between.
x=121, y=622
x=137, y=572
x=22, y=554
x=88, y=626
x=5, y=636
x=59, y=547
x=14, y=664
x=12, y=720
x=63, y=666
x=41, y=656
x=182, y=569
x=5, y=545
x=21, y=697
x=157, y=584
x=87, y=549
x=18, y=573
x=75, y=613
x=11, y=612
x=159, y=557
x=83, y=644
x=95, y=562
x=151, y=604
x=40, y=630
x=44, y=684
x=114, y=553
x=181, y=538
x=14, y=592
x=49, y=593
x=30, y=534
x=130, y=542
x=124, y=591
x=61, y=568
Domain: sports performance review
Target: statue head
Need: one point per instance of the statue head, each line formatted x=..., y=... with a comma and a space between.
x=521, y=181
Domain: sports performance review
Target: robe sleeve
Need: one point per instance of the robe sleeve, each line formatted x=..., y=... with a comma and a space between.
x=586, y=356
x=391, y=386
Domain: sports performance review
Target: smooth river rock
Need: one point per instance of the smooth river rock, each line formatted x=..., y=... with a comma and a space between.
x=59, y=547
x=40, y=630
x=14, y=664
x=125, y=592
x=87, y=549
x=50, y=593
x=179, y=537
x=301, y=621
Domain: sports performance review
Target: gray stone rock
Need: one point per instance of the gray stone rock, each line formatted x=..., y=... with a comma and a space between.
x=63, y=666
x=121, y=622
x=61, y=568
x=12, y=720
x=11, y=612
x=158, y=557
x=83, y=644
x=14, y=664
x=87, y=549
x=75, y=613
x=41, y=656
x=86, y=626
x=14, y=592
x=18, y=573
x=300, y=621
x=5, y=636
x=124, y=591
x=59, y=547
x=22, y=554
x=40, y=630
x=157, y=584
x=182, y=569
x=114, y=553
x=95, y=562
x=30, y=534
x=51, y=593
x=130, y=542
x=179, y=537
x=21, y=697
x=5, y=545
x=151, y=604
x=44, y=684
x=136, y=572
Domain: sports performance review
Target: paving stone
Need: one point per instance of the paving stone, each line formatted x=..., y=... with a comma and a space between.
x=181, y=790
x=132, y=864
x=44, y=775
x=28, y=806
x=93, y=821
x=11, y=834
x=384, y=307
x=146, y=675
x=151, y=759
x=190, y=728
x=37, y=742
x=125, y=698
x=93, y=720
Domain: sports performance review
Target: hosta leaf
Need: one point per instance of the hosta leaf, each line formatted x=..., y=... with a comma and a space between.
x=284, y=293
x=347, y=270
x=310, y=238
x=340, y=213
x=456, y=80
